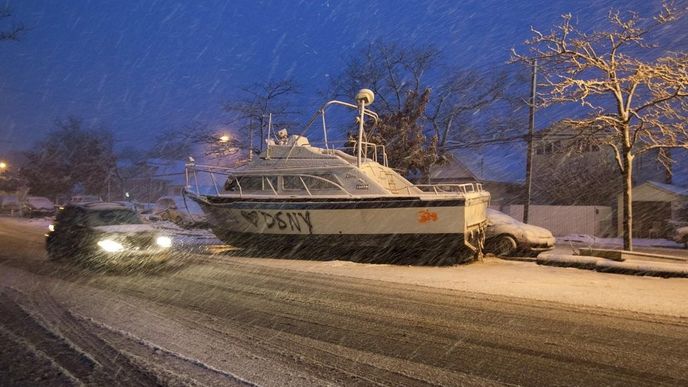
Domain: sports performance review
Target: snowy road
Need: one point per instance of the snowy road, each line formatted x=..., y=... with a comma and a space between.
x=225, y=320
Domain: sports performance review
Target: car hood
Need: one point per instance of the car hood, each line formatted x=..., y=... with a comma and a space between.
x=125, y=228
x=527, y=230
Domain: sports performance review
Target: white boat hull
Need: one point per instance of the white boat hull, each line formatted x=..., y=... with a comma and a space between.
x=440, y=225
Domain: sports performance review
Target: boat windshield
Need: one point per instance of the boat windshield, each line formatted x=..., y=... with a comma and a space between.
x=319, y=184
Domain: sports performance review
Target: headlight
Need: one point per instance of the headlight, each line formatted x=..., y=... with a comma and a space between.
x=164, y=241
x=110, y=246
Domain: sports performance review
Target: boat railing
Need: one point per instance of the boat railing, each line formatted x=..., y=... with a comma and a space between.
x=371, y=151
x=439, y=189
x=192, y=182
x=191, y=170
x=377, y=149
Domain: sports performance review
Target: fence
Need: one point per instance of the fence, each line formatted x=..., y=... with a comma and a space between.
x=566, y=220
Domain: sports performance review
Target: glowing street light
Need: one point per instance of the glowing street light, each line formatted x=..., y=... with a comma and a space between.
x=3, y=166
x=224, y=138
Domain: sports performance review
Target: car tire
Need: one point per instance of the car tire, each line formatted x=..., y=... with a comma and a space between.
x=504, y=246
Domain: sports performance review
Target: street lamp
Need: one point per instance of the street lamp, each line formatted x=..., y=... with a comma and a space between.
x=224, y=138
x=3, y=166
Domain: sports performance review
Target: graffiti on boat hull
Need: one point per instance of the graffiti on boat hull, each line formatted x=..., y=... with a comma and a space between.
x=297, y=221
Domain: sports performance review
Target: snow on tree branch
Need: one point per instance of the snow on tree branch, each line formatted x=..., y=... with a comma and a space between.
x=636, y=99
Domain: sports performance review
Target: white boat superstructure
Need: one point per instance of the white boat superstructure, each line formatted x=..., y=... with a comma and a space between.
x=295, y=195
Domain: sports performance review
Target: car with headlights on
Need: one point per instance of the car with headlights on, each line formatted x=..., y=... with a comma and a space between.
x=106, y=233
x=506, y=236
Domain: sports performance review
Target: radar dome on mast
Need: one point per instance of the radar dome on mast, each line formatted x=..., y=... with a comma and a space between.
x=365, y=96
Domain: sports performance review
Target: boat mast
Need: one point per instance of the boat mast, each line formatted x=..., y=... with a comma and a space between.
x=363, y=97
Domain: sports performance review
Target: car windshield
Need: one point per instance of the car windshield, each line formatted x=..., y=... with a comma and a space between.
x=112, y=217
x=500, y=217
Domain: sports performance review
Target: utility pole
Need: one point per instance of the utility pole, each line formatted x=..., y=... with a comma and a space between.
x=250, y=140
x=531, y=127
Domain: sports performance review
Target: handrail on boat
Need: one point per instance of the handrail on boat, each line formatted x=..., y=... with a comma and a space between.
x=464, y=188
x=378, y=151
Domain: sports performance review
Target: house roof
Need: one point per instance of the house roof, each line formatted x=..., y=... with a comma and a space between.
x=497, y=163
x=669, y=188
x=453, y=169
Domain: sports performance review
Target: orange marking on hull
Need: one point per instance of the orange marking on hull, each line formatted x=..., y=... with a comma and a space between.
x=427, y=216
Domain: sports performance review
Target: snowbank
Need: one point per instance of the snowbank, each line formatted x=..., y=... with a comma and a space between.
x=616, y=242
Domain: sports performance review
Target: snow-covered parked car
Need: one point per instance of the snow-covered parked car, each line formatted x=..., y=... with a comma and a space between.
x=141, y=208
x=681, y=236
x=179, y=211
x=101, y=232
x=10, y=205
x=84, y=199
x=38, y=206
x=507, y=236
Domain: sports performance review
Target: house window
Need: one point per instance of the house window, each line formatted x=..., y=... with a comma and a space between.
x=549, y=148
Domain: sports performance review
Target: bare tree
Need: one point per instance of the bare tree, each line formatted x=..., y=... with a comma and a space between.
x=463, y=93
x=261, y=102
x=396, y=75
x=179, y=143
x=390, y=70
x=634, y=105
x=415, y=117
x=15, y=31
x=70, y=157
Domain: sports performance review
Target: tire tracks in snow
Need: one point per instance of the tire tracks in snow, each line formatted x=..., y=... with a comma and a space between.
x=79, y=348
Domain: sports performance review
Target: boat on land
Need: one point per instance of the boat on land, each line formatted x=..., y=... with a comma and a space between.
x=295, y=196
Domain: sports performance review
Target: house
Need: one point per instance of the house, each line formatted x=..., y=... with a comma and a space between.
x=657, y=209
x=489, y=169
x=571, y=170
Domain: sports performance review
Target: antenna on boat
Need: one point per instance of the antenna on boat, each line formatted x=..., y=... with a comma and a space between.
x=363, y=97
x=269, y=124
x=269, y=137
x=250, y=140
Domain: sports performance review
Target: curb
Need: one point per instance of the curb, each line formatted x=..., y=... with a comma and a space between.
x=655, y=269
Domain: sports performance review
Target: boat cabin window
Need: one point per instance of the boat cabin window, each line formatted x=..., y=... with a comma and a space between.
x=292, y=183
x=317, y=184
x=250, y=183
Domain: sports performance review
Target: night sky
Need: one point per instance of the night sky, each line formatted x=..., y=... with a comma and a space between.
x=138, y=67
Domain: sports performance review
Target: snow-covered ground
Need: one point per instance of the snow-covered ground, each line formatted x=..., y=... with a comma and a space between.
x=491, y=276
x=222, y=319
x=518, y=279
x=187, y=237
x=590, y=240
